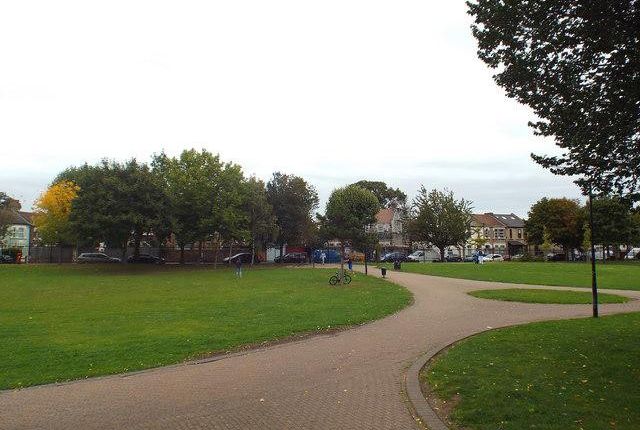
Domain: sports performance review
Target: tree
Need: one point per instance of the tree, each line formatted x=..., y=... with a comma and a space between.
x=440, y=219
x=194, y=184
x=613, y=222
x=386, y=195
x=261, y=223
x=7, y=204
x=349, y=210
x=293, y=202
x=562, y=219
x=52, y=212
x=575, y=64
x=115, y=203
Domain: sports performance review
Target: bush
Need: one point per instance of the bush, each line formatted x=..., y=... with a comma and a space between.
x=12, y=252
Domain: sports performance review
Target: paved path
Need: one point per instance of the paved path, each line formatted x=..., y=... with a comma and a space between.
x=350, y=380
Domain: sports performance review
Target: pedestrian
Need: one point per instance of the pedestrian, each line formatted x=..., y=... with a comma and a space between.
x=323, y=257
x=238, y=267
x=350, y=264
x=480, y=257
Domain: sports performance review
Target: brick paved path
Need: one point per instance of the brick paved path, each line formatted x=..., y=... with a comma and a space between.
x=351, y=380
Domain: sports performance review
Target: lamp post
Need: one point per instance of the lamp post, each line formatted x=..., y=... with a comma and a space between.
x=594, y=283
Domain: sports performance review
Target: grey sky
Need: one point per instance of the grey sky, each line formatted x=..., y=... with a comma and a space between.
x=334, y=91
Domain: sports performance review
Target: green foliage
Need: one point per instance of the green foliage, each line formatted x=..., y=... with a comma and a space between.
x=561, y=219
x=293, y=202
x=440, y=219
x=349, y=210
x=386, y=195
x=261, y=226
x=81, y=321
x=546, y=296
x=115, y=202
x=613, y=221
x=574, y=63
x=576, y=374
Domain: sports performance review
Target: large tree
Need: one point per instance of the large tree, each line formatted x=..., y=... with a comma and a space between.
x=116, y=202
x=52, y=211
x=349, y=211
x=440, y=219
x=576, y=64
x=293, y=201
x=261, y=222
x=613, y=222
x=561, y=219
x=386, y=195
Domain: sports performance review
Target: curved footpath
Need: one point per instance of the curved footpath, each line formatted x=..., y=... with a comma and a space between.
x=349, y=380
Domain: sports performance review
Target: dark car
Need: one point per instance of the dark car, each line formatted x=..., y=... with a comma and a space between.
x=556, y=257
x=96, y=257
x=394, y=256
x=244, y=257
x=145, y=259
x=453, y=259
x=292, y=257
x=6, y=259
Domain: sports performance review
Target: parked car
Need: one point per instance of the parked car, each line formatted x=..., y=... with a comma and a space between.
x=292, y=257
x=555, y=257
x=96, y=257
x=517, y=257
x=633, y=254
x=245, y=258
x=423, y=255
x=493, y=257
x=394, y=256
x=6, y=259
x=470, y=258
x=453, y=259
x=145, y=259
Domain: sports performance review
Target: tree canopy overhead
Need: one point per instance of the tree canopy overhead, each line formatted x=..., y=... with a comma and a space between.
x=385, y=194
x=577, y=65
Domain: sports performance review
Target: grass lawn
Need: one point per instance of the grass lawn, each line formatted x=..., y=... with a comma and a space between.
x=615, y=276
x=546, y=296
x=66, y=322
x=575, y=374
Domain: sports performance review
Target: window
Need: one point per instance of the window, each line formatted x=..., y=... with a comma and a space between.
x=510, y=234
x=520, y=234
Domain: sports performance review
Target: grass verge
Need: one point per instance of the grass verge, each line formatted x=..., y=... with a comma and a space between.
x=612, y=276
x=546, y=296
x=60, y=323
x=574, y=374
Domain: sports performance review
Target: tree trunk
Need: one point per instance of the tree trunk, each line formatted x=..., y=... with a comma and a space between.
x=50, y=254
x=604, y=254
x=253, y=250
x=200, y=259
x=136, y=249
x=216, y=248
x=230, y=250
x=366, y=269
x=442, y=250
x=342, y=262
x=182, y=254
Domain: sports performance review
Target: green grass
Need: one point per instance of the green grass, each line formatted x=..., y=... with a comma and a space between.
x=66, y=322
x=614, y=276
x=546, y=296
x=576, y=374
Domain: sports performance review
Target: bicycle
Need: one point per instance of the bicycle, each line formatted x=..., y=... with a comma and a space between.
x=335, y=279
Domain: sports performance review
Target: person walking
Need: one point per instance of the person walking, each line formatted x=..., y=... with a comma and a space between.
x=323, y=257
x=238, y=263
x=350, y=264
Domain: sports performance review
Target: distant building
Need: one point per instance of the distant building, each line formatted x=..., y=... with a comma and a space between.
x=19, y=233
x=497, y=234
x=388, y=227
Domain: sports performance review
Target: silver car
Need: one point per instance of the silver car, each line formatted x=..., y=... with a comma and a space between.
x=96, y=257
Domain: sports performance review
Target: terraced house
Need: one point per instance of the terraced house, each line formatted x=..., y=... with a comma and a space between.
x=497, y=234
x=18, y=233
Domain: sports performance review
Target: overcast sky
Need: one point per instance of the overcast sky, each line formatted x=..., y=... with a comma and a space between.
x=334, y=91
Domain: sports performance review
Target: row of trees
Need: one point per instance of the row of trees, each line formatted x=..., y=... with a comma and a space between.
x=565, y=222
x=195, y=197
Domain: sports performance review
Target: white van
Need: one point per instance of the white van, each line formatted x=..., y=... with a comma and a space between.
x=424, y=256
x=633, y=254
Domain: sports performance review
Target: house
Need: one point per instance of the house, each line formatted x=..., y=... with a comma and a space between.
x=497, y=234
x=19, y=233
x=388, y=227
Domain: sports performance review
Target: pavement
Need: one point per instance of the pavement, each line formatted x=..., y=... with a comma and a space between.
x=348, y=380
